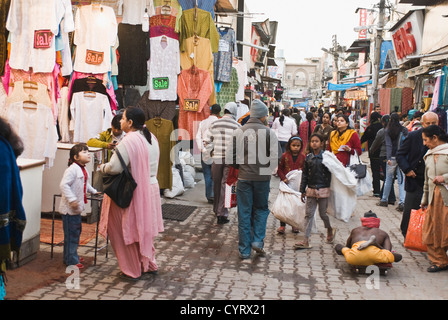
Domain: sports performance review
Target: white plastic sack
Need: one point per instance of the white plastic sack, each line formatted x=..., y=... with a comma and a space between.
x=365, y=184
x=288, y=207
x=178, y=187
x=343, y=188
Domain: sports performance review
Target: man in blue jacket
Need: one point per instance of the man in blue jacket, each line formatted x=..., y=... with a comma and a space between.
x=410, y=160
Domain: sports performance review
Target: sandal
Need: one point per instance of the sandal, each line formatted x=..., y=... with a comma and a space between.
x=126, y=277
x=330, y=239
x=436, y=268
x=301, y=245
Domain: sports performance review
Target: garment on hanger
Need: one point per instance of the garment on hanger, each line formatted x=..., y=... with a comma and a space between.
x=156, y=108
x=207, y=5
x=223, y=59
x=243, y=81
x=134, y=53
x=407, y=100
x=227, y=90
x=132, y=11
x=38, y=20
x=95, y=34
x=88, y=84
x=175, y=9
x=164, y=68
x=90, y=114
x=162, y=130
x=34, y=124
x=203, y=26
x=198, y=52
x=4, y=9
x=194, y=89
x=63, y=120
x=21, y=92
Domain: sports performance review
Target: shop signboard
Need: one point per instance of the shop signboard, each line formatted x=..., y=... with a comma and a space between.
x=407, y=36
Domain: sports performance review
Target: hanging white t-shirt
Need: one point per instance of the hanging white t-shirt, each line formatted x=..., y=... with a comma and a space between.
x=241, y=69
x=90, y=115
x=133, y=10
x=67, y=25
x=164, y=68
x=35, y=126
x=96, y=31
x=33, y=25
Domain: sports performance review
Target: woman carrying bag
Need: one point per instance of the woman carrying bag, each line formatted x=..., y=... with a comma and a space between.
x=132, y=230
x=435, y=197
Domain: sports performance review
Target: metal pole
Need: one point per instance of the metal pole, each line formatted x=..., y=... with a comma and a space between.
x=336, y=64
x=240, y=29
x=377, y=57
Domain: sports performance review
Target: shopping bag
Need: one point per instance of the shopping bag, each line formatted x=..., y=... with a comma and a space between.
x=357, y=166
x=230, y=189
x=288, y=207
x=414, y=234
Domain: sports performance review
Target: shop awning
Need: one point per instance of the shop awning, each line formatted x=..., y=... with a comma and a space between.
x=416, y=71
x=359, y=46
x=346, y=86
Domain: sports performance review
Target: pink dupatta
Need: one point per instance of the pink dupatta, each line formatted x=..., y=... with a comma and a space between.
x=142, y=220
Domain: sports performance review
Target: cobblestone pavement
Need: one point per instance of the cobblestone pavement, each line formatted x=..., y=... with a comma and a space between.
x=198, y=260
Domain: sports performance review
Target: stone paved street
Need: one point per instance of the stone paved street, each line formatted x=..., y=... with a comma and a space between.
x=198, y=260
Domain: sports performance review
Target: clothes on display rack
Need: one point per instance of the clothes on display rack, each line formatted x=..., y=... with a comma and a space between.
x=95, y=34
x=243, y=80
x=164, y=68
x=156, y=108
x=200, y=23
x=90, y=114
x=207, y=5
x=198, y=52
x=162, y=130
x=134, y=53
x=223, y=59
x=194, y=92
x=132, y=11
x=226, y=91
x=169, y=8
x=4, y=9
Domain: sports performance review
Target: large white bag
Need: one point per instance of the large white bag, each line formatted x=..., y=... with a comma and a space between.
x=365, y=184
x=342, y=200
x=178, y=186
x=288, y=207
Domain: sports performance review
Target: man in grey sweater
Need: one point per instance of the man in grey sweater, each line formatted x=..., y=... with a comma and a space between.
x=256, y=155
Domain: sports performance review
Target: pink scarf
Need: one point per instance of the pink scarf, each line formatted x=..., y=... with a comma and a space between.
x=371, y=222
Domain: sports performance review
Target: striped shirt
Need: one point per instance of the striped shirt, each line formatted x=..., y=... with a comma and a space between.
x=219, y=137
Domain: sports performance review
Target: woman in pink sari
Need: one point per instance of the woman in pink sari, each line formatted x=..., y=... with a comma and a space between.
x=132, y=230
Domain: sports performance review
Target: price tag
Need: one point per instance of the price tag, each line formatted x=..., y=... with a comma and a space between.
x=191, y=105
x=161, y=83
x=42, y=39
x=94, y=57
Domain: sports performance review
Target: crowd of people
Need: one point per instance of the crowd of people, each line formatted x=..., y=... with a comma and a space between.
x=263, y=144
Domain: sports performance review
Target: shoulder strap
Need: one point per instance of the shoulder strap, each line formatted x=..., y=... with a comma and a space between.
x=125, y=168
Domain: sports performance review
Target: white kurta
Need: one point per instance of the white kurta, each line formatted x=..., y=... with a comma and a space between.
x=96, y=30
x=164, y=63
x=24, y=18
x=35, y=126
x=90, y=115
x=133, y=10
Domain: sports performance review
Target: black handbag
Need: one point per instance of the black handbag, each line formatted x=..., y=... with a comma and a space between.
x=359, y=169
x=120, y=188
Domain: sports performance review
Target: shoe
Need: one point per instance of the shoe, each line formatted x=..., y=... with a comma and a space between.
x=243, y=256
x=223, y=220
x=259, y=251
x=302, y=245
x=81, y=259
x=376, y=195
x=382, y=204
x=210, y=200
x=400, y=207
x=295, y=230
x=80, y=266
x=435, y=268
x=126, y=277
x=281, y=230
x=333, y=234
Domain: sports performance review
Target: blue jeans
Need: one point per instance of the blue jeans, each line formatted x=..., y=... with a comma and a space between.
x=72, y=226
x=207, y=171
x=253, y=211
x=389, y=182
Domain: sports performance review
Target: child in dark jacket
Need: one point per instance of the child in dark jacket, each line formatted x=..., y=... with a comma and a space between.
x=292, y=159
x=315, y=188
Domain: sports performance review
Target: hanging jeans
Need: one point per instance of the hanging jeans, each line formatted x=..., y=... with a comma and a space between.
x=253, y=212
x=391, y=169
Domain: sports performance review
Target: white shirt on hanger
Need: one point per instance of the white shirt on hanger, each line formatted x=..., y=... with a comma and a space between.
x=133, y=10
x=96, y=31
x=35, y=126
x=25, y=19
x=241, y=69
x=67, y=25
x=164, y=64
x=90, y=115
